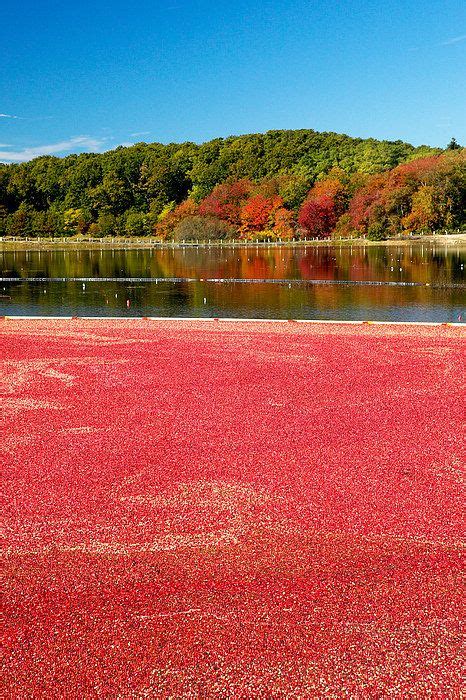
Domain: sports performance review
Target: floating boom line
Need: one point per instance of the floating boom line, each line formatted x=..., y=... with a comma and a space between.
x=236, y=280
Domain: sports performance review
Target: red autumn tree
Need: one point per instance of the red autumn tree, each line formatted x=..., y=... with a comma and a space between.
x=326, y=201
x=364, y=201
x=317, y=216
x=335, y=190
x=225, y=201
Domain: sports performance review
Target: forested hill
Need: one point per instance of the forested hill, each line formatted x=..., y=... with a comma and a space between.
x=131, y=189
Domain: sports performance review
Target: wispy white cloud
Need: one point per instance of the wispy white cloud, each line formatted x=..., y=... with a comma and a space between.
x=80, y=143
x=140, y=133
x=447, y=42
x=454, y=40
x=30, y=119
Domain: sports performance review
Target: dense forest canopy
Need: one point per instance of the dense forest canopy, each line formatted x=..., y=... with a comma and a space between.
x=281, y=184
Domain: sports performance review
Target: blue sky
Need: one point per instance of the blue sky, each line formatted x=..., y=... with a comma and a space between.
x=79, y=76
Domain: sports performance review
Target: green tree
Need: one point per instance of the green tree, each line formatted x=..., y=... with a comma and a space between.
x=453, y=145
x=135, y=224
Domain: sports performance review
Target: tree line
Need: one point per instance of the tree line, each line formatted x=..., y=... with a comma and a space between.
x=281, y=184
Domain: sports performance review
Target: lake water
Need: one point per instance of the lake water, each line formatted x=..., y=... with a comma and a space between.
x=418, y=282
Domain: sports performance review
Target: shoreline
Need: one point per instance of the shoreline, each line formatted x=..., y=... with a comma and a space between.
x=226, y=320
x=141, y=243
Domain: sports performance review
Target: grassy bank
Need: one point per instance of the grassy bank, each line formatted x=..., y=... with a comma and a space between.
x=130, y=243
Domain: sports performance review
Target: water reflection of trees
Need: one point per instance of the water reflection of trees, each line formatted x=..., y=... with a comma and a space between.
x=425, y=264
x=419, y=263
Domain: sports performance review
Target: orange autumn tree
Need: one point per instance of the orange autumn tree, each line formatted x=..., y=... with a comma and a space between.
x=264, y=214
x=283, y=227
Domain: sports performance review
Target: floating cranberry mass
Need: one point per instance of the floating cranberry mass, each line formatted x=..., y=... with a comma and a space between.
x=232, y=510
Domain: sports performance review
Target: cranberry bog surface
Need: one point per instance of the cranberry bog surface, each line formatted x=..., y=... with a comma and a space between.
x=235, y=510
